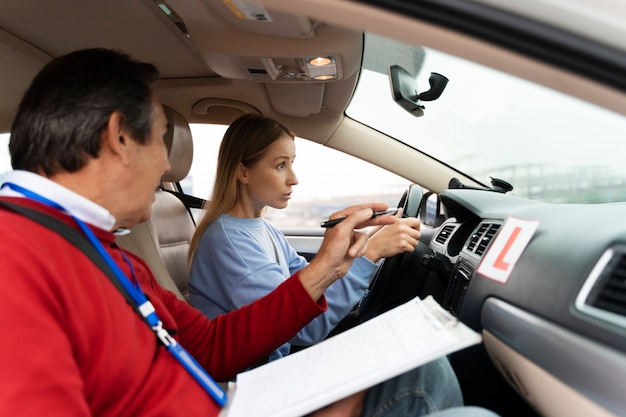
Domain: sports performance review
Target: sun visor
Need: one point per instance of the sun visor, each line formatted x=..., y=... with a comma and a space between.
x=300, y=100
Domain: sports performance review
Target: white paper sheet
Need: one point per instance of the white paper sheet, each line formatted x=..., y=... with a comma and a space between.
x=392, y=343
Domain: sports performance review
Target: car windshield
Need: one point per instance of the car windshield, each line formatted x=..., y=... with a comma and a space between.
x=550, y=146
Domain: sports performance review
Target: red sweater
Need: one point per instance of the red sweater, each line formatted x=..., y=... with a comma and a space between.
x=72, y=346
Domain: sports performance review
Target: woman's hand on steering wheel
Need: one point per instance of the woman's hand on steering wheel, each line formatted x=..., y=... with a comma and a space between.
x=402, y=236
x=400, y=275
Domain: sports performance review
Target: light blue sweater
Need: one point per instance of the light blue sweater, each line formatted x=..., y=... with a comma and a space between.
x=240, y=260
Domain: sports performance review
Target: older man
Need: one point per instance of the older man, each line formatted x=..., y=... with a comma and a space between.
x=95, y=335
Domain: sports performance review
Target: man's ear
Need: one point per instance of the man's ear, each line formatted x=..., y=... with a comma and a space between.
x=242, y=173
x=115, y=138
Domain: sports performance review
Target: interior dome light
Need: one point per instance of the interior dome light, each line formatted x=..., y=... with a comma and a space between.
x=320, y=61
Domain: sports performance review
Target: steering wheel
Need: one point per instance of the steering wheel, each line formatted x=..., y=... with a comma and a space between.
x=401, y=277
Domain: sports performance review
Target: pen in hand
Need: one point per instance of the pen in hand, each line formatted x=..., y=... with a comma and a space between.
x=333, y=222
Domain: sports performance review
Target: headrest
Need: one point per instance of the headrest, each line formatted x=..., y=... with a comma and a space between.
x=179, y=146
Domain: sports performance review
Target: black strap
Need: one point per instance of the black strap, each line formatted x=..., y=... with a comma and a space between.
x=189, y=201
x=76, y=238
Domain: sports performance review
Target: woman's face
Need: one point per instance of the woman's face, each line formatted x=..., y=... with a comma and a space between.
x=269, y=182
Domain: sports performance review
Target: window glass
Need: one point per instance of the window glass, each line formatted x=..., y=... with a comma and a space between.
x=328, y=180
x=549, y=145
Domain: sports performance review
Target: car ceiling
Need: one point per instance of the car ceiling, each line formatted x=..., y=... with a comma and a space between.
x=142, y=29
x=204, y=75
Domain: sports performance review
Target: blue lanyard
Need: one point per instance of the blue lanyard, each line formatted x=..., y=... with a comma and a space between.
x=145, y=307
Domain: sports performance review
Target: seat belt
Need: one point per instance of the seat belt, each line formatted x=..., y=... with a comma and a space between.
x=189, y=201
x=82, y=242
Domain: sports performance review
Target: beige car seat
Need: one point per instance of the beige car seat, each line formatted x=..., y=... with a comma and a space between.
x=163, y=241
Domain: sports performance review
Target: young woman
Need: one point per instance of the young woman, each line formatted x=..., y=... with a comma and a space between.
x=238, y=257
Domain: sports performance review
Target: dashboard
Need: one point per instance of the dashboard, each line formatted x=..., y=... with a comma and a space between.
x=547, y=281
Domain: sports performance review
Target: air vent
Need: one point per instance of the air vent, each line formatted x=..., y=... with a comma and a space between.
x=482, y=237
x=604, y=292
x=457, y=287
x=613, y=295
x=445, y=234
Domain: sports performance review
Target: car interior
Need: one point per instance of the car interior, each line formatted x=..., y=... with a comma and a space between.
x=543, y=282
x=163, y=241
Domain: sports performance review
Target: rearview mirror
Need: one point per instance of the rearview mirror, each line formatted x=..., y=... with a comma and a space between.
x=405, y=92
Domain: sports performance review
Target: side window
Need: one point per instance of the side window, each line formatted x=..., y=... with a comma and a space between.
x=206, y=144
x=329, y=180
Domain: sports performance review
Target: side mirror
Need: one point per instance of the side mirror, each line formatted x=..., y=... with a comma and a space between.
x=430, y=212
x=405, y=92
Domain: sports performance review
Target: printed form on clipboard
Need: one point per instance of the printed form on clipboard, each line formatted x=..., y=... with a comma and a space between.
x=390, y=344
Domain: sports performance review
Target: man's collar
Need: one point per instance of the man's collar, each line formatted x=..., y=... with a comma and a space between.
x=74, y=203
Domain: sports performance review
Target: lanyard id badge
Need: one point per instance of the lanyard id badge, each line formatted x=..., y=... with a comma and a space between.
x=142, y=305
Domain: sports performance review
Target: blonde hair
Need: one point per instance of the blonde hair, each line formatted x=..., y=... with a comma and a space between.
x=245, y=141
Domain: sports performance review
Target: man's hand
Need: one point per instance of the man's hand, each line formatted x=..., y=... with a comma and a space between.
x=341, y=245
